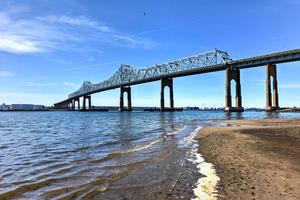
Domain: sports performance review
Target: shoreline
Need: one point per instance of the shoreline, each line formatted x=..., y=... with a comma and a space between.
x=178, y=172
x=255, y=159
x=224, y=159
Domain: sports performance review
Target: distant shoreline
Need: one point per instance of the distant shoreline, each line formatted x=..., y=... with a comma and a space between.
x=282, y=110
x=27, y=110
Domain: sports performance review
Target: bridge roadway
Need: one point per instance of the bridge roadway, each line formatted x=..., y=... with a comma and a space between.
x=203, y=63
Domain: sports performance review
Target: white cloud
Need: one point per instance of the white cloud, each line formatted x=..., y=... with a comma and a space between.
x=255, y=82
x=29, y=36
x=90, y=59
x=78, y=68
x=125, y=38
x=134, y=42
x=70, y=84
x=15, y=45
x=78, y=21
x=47, y=84
x=6, y=74
x=32, y=98
x=262, y=82
x=290, y=86
x=20, y=35
x=36, y=84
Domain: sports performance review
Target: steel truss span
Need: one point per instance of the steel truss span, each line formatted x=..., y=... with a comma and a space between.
x=127, y=75
x=212, y=61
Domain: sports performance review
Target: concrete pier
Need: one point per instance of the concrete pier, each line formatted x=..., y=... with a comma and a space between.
x=78, y=103
x=70, y=105
x=166, y=82
x=272, y=102
x=126, y=89
x=87, y=97
x=233, y=74
x=73, y=104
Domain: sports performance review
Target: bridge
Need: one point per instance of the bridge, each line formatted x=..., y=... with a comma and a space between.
x=208, y=62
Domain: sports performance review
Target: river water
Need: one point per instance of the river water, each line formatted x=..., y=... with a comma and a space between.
x=50, y=154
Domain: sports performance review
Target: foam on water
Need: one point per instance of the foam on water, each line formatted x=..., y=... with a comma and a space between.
x=206, y=185
x=176, y=131
x=142, y=147
x=137, y=148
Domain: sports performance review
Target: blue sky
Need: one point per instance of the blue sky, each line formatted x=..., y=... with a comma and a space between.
x=48, y=48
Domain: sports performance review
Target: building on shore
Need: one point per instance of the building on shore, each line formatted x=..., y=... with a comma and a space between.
x=22, y=107
x=4, y=107
x=26, y=107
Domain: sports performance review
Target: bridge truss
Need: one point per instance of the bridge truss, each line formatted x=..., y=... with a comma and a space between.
x=126, y=75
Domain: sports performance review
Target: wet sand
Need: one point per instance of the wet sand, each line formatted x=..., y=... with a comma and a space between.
x=255, y=159
x=167, y=176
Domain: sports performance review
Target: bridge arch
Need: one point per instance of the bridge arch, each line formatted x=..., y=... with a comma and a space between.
x=233, y=76
x=167, y=102
x=125, y=90
x=233, y=84
x=166, y=82
x=125, y=96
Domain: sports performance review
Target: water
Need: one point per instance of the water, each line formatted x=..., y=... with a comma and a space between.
x=50, y=154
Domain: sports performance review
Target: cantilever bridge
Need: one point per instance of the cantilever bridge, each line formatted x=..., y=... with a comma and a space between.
x=212, y=61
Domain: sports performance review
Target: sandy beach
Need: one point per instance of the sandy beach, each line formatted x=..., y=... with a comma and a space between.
x=255, y=159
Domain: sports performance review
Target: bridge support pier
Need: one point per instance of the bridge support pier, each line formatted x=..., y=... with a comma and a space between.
x=90, y=102
x=70, y=105
x=166, y=82
x=62, y=106
x=126, y=89
x=87, y=97
x=78, y=101
x=74, y=104
x=233, y=74
x=272, y=103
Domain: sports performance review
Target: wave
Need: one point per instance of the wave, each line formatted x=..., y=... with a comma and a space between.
x=176, y=131
x=121, y=152
x=83, y=148
x=65, y=180
x=135, y=148
x=87, y=189
x=3, y=146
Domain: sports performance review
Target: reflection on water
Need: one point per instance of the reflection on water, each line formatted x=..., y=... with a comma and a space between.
x=62, y=154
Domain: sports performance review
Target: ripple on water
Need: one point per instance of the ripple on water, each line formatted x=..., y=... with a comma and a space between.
x=66, y=154
x=4, y=146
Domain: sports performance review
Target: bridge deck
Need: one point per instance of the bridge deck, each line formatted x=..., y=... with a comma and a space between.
x=275, y=58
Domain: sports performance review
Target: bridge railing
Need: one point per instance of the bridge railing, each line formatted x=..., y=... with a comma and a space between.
x=126, y=74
